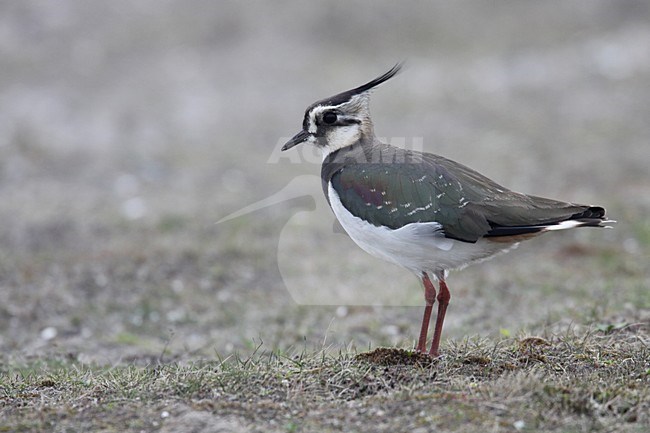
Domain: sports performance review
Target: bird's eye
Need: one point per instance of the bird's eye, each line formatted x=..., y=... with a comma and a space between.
x=329, y=117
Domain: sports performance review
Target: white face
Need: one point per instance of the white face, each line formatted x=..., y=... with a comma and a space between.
x=330, y=135
x=341, y=136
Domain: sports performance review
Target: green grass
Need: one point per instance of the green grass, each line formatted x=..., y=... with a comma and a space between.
x=596, y=380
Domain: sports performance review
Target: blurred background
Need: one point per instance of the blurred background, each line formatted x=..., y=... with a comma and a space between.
x=129, y=128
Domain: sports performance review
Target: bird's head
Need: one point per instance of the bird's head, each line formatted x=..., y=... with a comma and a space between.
x=341, y=120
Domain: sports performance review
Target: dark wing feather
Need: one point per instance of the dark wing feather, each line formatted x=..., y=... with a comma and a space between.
x=418, y=187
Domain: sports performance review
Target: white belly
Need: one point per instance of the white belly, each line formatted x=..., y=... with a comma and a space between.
x=419, y=247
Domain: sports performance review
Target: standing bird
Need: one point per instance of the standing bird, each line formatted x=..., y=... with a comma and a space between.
x=418, y=210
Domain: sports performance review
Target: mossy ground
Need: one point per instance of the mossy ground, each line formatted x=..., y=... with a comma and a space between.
x=592, y=381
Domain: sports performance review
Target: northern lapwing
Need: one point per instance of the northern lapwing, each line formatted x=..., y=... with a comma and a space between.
x=421, y=211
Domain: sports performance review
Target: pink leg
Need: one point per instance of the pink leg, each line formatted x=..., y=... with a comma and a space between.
x=443, y=300
x=430, y=298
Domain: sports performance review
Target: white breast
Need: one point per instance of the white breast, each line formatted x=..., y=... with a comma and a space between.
x=417, y=246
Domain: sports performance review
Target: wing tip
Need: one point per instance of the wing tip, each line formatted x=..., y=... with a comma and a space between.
x=532, y=230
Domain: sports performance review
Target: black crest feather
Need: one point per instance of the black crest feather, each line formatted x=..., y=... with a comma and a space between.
x=344, y=97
